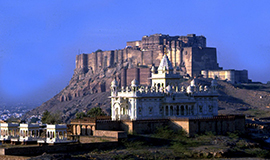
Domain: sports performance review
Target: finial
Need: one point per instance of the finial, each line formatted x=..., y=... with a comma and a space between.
x=165, y=50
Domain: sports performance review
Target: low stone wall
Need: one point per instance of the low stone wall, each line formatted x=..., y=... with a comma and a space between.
x=38, y=150
x=92, y=139
x=111, y=134
x=218, y=124
x=107, y=125
x=143, y=126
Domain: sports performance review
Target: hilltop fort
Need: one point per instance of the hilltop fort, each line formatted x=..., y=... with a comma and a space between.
x=189, y=55
x=90, y=84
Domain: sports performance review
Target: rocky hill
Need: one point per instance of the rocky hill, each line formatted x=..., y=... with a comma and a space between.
x=88, y=90
x=85, y=91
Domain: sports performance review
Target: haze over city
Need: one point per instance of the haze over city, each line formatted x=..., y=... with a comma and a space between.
x=39, y=40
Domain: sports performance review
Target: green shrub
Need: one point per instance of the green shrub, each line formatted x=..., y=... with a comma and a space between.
x=167, y=133
x=233, y=135
x=257, y=152
x=133, y=144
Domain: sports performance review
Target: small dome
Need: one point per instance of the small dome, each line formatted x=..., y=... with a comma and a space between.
x=194, y=82
x=206, y=88
x=169, y=89
x=189, y=89
x=114, y=83
x=153, y=69
x=134, y=83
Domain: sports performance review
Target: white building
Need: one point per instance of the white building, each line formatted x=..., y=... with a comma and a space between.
x=164, y=99
x=8, y=131
x=230, y=75
x=56, y=133
x=27, y=133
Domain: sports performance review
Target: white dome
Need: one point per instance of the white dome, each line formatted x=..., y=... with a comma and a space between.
x=194, y=82
x=189, y=90
x=153, y=69
x=169, y=89
x=206, y=88
x=114, y=83
x=134, y=82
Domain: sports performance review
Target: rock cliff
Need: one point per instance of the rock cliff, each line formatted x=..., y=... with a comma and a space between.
x=88, y=90
x=90, y=84
x=84, y=91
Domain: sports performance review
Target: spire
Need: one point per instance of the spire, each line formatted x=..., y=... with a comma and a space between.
x=165, y=64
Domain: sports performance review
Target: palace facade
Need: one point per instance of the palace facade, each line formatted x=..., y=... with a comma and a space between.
x=164, y=99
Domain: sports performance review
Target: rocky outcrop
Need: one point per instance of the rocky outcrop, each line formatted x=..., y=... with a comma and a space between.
x=84, y=91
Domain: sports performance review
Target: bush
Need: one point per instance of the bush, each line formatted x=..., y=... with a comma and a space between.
x=94, y=112
x=233, y=135
x=50, y=118
x=80, y=115
x=257, y=152
x=133, y=144
x=167, y=133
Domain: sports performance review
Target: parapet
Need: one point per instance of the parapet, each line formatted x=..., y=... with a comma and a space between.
x=136, y=90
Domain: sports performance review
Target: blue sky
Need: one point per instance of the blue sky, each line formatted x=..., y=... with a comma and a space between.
x=40, y=39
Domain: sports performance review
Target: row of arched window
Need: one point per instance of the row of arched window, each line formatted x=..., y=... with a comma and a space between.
x=177, y=110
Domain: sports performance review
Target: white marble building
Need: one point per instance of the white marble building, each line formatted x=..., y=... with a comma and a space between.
x=27, y=133
x=8, y=131
x=164, y=99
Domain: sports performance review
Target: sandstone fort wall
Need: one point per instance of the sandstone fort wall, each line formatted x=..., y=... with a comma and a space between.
x=150, y=50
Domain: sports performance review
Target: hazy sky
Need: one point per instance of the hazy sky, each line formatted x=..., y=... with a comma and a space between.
x=40, y=39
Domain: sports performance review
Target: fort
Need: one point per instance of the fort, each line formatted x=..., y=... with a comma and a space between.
x=189, y=55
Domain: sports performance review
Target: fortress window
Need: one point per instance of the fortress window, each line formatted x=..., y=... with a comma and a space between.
x=177, y=110
x=150, y=110
x=186, y=53
x=182, y=110
x=140, y=110
x=167, y=110
x=210, y=108
x=200, y=109
x=161, y=110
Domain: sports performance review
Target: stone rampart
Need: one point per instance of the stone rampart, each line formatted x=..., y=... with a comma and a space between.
x=150, y=50
x=111, y=134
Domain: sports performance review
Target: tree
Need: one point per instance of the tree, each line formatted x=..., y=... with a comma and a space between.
x=80, y=115
x=50, y=118
x=45, y=115
x=94, y=112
